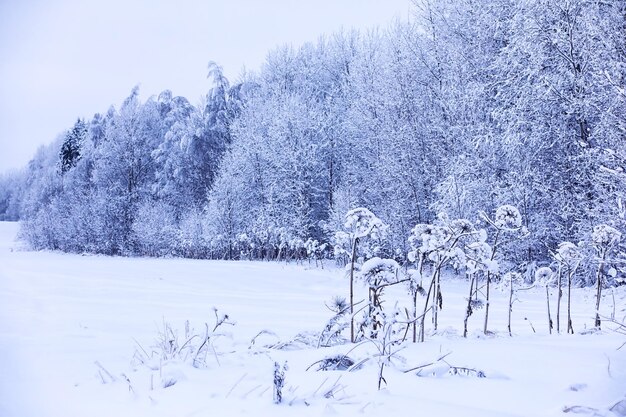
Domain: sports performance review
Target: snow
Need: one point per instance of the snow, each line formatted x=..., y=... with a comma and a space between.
x=604, y=235
x=508, y=217
x=384, y=268
x=68, y=320
x=544, y=276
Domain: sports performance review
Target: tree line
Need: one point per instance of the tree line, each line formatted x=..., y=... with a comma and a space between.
x=467, y=106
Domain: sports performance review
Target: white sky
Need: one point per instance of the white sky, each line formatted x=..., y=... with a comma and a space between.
x=63, y=59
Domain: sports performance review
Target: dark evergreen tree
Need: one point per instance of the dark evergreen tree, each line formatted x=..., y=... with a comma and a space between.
x=71, y=147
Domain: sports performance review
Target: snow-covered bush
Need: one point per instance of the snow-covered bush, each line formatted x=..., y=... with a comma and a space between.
x=363, y=228
x=193, y=239
x=191, y=347
x=332, y=333
x=448, y=243
x=296, y=248
x=155, y=229
x=377, y=274
x=361, y=222
x=315, y=250
x=478, y=255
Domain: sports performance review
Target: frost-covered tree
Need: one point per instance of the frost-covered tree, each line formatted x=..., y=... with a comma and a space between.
x=466, y=106
x=124, y=168
x=12, y=190
x=551, y=78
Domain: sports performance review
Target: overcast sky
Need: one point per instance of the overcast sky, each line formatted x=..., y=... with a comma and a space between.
x=63, y=59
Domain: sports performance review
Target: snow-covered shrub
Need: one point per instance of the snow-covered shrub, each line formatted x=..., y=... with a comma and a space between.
x=193, y=239
x=341, y=247
x=191, y=347
x=334, y=363
x=315, y=250
x=362, y=230
x=361, y=223
x=331, y=334
x=448, y=243
x=155, y=229
x=297, y=248
x=377, y=274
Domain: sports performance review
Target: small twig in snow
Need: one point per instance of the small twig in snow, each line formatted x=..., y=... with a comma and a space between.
x=441, y=358
x=251, y=391
x=113, y=379
x=236, y=383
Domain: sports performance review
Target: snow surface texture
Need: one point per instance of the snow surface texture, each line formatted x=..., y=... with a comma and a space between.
x=71, y=328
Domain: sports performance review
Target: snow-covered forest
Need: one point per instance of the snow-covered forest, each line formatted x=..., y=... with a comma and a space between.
x=444, y=200
x=467, y=107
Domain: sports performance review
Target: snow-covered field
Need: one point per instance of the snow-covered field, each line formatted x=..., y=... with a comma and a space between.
x=73, y=331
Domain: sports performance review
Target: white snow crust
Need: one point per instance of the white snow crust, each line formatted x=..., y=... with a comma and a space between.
x=71, y=325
